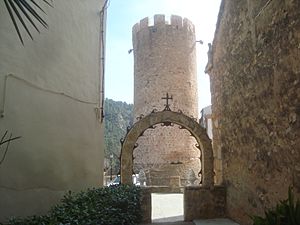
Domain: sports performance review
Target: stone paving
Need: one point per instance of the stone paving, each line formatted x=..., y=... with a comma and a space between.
x=221, y=221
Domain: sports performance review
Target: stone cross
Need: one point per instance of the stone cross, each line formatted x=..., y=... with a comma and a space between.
x=167, y=98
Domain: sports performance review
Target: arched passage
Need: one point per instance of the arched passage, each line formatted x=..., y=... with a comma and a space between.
x=167, y=116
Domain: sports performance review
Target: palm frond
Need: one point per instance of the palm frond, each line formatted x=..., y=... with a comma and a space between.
x=20, y=9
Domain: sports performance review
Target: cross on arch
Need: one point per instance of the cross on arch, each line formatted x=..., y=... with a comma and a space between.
x=167, y=98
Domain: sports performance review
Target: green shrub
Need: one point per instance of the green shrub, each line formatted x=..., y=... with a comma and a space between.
x=115, y=205
x=286, y=212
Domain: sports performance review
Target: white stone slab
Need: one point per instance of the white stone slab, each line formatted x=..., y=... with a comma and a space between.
x=167, y=207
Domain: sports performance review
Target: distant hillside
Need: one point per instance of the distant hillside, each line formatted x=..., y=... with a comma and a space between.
x=118, y=115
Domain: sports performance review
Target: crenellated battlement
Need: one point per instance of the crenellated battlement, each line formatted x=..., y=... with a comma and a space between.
x=160, y=19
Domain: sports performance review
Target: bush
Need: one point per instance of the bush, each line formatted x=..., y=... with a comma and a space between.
x=287, y=212
x=115, y=205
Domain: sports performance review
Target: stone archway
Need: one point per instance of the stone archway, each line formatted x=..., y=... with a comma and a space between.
x=165, y=117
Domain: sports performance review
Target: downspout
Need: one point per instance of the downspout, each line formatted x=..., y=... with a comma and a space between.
x=102, y=57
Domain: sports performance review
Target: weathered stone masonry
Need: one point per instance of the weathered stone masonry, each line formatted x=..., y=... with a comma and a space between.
x=165, y=61
x=255, y=85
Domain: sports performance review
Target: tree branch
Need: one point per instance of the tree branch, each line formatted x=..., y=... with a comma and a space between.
x=3, y=141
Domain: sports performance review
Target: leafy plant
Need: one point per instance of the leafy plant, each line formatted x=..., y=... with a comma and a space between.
x=25, y=8
x=115, y=205
x=287, y=212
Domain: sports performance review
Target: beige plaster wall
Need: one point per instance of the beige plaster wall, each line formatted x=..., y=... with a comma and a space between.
x=51, y=100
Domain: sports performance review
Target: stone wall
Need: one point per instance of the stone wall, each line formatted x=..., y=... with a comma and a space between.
x=165, y=61
x=255, y=85
x=204, y=203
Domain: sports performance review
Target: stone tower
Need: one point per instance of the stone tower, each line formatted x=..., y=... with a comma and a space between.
x=165, y=61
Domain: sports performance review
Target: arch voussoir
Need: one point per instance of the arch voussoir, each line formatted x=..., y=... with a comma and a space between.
x=162, y=117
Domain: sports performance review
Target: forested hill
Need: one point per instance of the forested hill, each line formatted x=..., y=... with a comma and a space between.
x=118, y=115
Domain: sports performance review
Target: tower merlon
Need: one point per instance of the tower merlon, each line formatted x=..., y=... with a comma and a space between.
x=144, y=23
x=188, y=24
x=159, y=19
x=176, y=20
x=136, y=28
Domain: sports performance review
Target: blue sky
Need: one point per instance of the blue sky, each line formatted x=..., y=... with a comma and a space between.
x=123, y=14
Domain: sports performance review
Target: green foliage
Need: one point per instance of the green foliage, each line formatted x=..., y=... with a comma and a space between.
x=115, y=205
x=287, y=212
x=20, y=9
x=118, y=115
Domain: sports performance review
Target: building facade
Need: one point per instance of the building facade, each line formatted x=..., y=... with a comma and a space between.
x=50, y=92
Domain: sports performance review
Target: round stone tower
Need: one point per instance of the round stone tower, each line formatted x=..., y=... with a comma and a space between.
x=165, y=62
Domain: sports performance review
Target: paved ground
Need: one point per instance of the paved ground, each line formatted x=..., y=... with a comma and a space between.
x=199, y=222
x=215, y=222
x=172, y=223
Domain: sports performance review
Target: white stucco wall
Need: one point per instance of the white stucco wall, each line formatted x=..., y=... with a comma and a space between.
x=209, y=128
x=62, y=137
x=206, y=120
